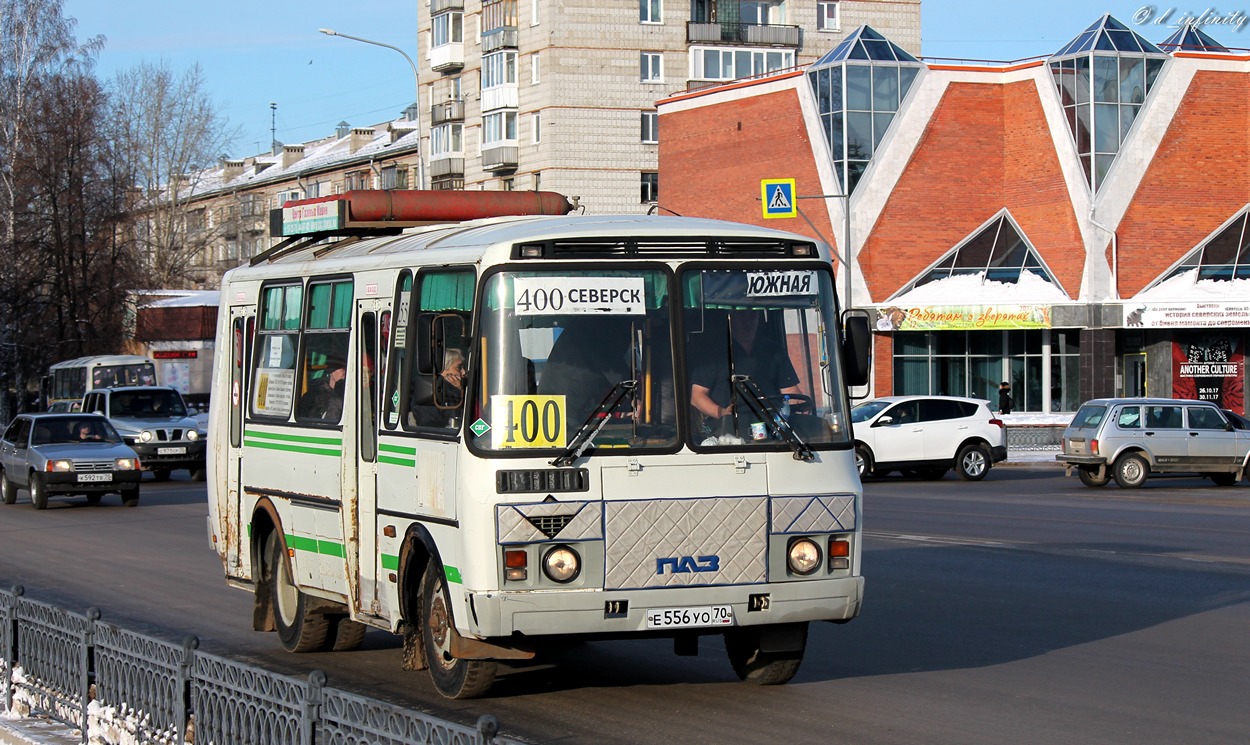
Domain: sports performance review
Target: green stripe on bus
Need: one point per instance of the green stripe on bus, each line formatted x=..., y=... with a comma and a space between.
x=408, y=462
x=390, y=561
x=453, y=575
x=306, y=439
x=398, y=449
x=316, y=546
x=292, y=448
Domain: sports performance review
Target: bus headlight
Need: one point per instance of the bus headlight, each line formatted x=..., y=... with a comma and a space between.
x=803, y=556
x=561, y=564
x=146, y=436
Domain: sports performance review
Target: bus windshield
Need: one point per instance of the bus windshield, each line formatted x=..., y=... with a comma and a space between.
x=559, y=346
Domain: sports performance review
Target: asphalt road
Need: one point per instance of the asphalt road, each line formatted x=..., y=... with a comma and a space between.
x=1022, y=609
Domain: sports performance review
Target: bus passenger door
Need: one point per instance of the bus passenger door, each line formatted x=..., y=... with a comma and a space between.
x=242, y=328
x=371, y=317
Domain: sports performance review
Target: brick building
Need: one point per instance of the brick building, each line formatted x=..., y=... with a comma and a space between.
x=1076, y=225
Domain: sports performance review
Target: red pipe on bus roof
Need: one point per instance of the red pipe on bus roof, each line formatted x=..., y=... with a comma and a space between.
x=412, y=205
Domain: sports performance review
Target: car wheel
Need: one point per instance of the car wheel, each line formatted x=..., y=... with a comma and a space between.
x=453, y=677
x=863, y=460
x=1223, y=479
x=298, y=630
x=1130, y=471
x=753, y=665
x=1089, y=477
x=38, y=491
x=972, y=462
x=130, y=497
x=8, y=490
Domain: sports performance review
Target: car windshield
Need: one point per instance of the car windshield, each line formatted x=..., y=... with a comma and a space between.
x=153, y=404
x=1089, y=415
x=867, y=410
x=61, y=430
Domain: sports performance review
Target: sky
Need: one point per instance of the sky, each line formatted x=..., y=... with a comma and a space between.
x=256, y=52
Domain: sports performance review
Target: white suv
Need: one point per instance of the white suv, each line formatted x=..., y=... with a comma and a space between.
x=926, y=436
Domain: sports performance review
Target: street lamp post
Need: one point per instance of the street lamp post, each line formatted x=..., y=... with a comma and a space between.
x=417, y=105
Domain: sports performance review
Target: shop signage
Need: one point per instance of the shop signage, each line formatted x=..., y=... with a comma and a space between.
x=1186, y=315
x=1209, y=367
x=299, y=219
x=963, y=317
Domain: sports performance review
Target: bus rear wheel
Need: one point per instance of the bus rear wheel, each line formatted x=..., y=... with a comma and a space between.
x=754, y=665
x=453, y=678
x=298, y=630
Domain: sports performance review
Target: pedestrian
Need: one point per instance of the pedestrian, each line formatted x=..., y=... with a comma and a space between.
x=1004, y=398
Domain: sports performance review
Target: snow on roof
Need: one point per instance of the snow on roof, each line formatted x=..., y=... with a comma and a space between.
x=186, y=299
x=974, y=289
x=1187, y=286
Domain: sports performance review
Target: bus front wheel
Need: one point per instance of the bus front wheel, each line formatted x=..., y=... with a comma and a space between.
x=747, y=646
x=453, y=677
x=299, y=630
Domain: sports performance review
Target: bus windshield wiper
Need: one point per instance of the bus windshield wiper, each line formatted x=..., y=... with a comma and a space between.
x=757, y=402
x=597, y=420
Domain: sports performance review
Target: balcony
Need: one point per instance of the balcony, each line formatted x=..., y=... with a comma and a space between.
x=446, y=168
x=441, y=6
x=501, y=158
x=447, y=57
x=447, y=111
x=504, y=37
x=755, y=34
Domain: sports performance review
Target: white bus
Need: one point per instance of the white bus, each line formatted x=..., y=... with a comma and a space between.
x=512, y=458
x=68, y=381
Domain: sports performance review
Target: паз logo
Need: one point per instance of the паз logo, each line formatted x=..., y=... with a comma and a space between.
x=688, y=564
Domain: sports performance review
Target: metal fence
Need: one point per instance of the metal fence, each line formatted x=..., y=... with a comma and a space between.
x=1035, y=437
x=102, y=680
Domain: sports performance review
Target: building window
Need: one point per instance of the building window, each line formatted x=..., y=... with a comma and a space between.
x=536, y=127
x=827, y=15
x=447, y=28
x=498, y=68
x=650, y=186
x=498, y=127
x=535, y=73
x=357, y=180
x=507, y=184
x=735, y=63
x=651, y=66
x=761, y=12
x=650, y=11
x=447, y=140
x=650, y=127
x=394, y=177
x=497, y=14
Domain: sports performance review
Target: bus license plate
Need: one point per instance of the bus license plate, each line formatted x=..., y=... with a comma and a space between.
x=677, y=618
x=84, y=477
x=171, y=451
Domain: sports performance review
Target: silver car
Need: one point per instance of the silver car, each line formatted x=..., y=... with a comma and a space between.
x=1128, y=439
x=54, y=454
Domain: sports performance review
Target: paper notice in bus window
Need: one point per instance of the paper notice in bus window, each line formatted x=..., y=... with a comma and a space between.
x=527, y=422
x=551, y=296
x=275, y=388
x=777, y=284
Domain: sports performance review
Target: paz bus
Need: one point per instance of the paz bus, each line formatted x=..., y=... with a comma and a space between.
x=68, y=381
x=466, y=418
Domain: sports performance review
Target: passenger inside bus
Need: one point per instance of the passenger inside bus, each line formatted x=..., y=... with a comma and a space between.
x=324, y=398
x=437, y=399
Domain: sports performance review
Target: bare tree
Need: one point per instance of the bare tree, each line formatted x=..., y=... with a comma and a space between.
x=36, y=42
x=168, y=133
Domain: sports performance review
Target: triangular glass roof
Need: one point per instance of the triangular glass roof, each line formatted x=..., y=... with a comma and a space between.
x=1108, y=35
x=867, y=44
x=997, y=252
x=1223, y=257
x=1190, y=38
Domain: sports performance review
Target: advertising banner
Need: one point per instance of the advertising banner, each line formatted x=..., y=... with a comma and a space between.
x=1186, y=315
x=1209, y=367
x=964, y=317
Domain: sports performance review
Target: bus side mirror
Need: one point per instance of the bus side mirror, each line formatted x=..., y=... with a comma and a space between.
x=856, y=350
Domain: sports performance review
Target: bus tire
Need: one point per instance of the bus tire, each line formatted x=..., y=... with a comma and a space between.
x=298, y=630
x=754, y=665
x=38, y=491
x=345, y=634
x=8, y=490
x=453, y=678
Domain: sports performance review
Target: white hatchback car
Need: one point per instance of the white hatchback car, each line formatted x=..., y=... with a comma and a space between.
x=926, y=436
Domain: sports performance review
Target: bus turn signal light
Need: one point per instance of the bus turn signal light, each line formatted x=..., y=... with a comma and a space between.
x=515, y=562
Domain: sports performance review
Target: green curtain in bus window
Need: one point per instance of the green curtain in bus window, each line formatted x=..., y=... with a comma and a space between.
x=272, y=318
x=319, y=306
x=292, y=306
x=447, y=291
x=341, y=314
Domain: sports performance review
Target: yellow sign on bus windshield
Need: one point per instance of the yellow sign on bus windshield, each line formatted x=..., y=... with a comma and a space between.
x=527, y=422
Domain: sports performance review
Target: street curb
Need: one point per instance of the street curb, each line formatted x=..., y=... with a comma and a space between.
x=36, y=731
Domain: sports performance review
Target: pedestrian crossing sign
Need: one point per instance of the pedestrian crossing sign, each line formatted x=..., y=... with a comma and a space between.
x=778, y=197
